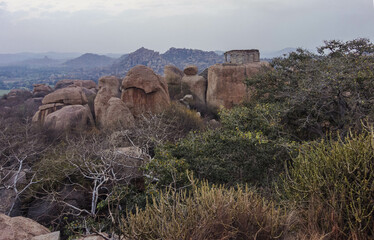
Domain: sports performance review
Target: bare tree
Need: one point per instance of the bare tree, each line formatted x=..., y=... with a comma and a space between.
x=19, y=147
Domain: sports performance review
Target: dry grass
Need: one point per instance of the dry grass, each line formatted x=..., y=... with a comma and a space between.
x=332, y=184
x=209, y=212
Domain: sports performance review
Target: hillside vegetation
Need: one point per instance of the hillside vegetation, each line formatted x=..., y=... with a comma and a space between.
x=295, y=162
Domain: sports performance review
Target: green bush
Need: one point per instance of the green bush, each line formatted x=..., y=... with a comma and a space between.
x=318, y=93
x=264, y=117
x=235, y=153
x=333, y=183
x=208, y=212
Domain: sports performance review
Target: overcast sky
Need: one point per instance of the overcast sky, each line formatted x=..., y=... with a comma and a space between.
x=121, y=26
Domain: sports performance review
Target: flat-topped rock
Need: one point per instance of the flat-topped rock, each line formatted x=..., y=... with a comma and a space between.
x=68, y=96
x=89, y=84
x=226, y=83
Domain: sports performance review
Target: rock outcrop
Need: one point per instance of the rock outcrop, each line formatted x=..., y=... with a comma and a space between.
x=57, y=100
x=72, y=117
x=15, y=228
x=19, y=95
x=41, y=90
x=89, y=84
x=226, y=85
x=173, y=75
x=108, y=87
x=19, y=103
x=190, y=70
x=117, y=115
x=67, y=96
x=130, y=160
x=143, y=91
x=48, y=236
x=66, y=109
x=197, y=86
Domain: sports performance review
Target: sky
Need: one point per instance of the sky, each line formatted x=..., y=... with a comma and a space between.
x=122, y=26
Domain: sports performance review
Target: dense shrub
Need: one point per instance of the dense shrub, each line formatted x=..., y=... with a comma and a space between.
x=333, y=184
x=261, y=117
x=234, y=153
x=326, y=92
x=208, y=212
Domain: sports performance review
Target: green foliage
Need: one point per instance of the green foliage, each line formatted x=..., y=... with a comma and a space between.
x=323, y=92
x=207, y=212
x=333, y=183
x=169, y=170
x=235, y=153
x=254, y=117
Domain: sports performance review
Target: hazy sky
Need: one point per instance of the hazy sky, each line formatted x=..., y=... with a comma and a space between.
x=121, y=26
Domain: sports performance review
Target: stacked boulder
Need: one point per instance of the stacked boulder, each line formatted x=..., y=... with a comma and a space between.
x=196, y=85
x=144, y=92
x=110, y=111
x=41, y=90
x=65, y=109
x=88, y=86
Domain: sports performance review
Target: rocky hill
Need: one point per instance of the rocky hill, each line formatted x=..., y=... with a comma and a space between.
x=142, y=56
x=90, y=60
x=180, y=57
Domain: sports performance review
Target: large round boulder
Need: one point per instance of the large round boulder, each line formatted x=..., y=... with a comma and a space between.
x=15, y=228
x=190, y=70
x=173, y=75
x=143, y=91
x=72, y=117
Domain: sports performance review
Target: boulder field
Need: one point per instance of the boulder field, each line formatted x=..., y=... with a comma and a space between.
x=117, y=103
x=221, y=85
x=114, y=103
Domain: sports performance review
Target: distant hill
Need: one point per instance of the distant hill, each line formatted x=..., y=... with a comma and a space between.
x=18, y=58
x=40, y=62
x=180, y=57
x=90, y=60
x=142, y=56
